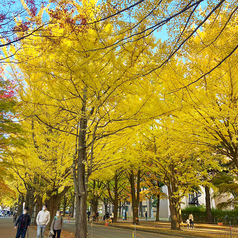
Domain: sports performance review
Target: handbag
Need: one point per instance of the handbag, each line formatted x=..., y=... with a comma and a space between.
x=51, y=231
x=51, y=234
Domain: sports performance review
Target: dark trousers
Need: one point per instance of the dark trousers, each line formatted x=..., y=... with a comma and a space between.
x=21, y=232
x=57, y=232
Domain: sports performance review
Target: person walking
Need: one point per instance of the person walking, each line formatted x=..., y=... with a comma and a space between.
x=188, y=223
x=146, y=216
x=42, y=220
x=23, y=222
x=191, y=220
x=88, y=213
x=57, y=225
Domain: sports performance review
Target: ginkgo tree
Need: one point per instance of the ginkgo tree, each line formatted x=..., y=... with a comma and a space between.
x=210, y=104
x=89, y=95
x=178, y=166
x=42, y=168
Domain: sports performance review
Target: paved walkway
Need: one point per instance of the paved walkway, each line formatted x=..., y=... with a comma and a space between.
x=97, y=231
x=7, y=231
x=161, y=228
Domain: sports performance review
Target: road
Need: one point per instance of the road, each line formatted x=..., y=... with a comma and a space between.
x=98, y=231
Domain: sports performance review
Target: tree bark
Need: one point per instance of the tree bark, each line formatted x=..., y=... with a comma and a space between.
x=175, y=223
x=208, y=204
x=158, y=208
x=20, y=204
x=64, y=205
x=30, y=200
x=81, y=221
x=141, y=209
x=173, y=201
x=73, y=204
x=120, y=213
x=80, y=182
x=135, y=195
x=53, y=202
x=39, y=204
x=95, y=203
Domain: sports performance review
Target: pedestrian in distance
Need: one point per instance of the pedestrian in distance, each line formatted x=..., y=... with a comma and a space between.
x=88, y=213
x=112, y=217
x=57, y=225
x=42, y=220
x=188, y=223
x=14, y=216
x=23, y=222
x=191, y=220
x=97, y=216
x=146, y=216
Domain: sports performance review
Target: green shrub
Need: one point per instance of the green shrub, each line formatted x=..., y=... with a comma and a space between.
x=199, y=214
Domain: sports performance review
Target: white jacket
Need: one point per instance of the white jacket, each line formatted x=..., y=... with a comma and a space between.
x=43, y=218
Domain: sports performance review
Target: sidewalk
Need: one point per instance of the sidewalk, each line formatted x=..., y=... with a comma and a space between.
x=7, y=231
x=201, y=230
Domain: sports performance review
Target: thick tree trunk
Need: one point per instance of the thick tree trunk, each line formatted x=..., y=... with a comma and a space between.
x=175, y=223
x=95, y=204
x=158, y=208
x=80, y=179
x=53, y=202
x=30, y=200
x=20, y=204
x=39, y=205
x=135, y=195
x=81, y=221
x=115, y=205
x=173, y=201
x=208, y=204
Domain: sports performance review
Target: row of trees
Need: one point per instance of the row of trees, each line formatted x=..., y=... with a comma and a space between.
x=101, y=98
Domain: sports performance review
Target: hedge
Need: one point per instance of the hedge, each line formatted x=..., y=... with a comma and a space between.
x=219, y=216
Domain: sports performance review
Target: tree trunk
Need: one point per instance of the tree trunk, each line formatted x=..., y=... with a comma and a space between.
x=39, y=204
x=53, y=202
x=120, y=213
x=115, y=205
x=80, y=183
x=175, y=223
x=20, y=204
x=81, y=221
x=64, y=205
x=208, y=204
x=158, y=207
x=115, y=200
x=135, y=195
x=173, y=201
x=30, y=200
x=73, y=205
x=95, y=203
x=141, y=209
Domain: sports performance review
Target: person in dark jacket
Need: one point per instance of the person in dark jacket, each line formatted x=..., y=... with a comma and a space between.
x=24, y=222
